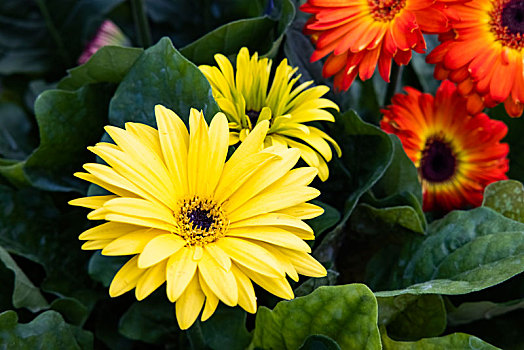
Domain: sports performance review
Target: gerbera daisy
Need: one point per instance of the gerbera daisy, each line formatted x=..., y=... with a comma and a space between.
x=205, y=226
x=357, y=35
x=457, y=155
x=484, y=55
x=107, y=34
x=244, y=97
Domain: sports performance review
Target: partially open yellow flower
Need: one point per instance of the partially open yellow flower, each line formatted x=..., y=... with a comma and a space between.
x=205, y=226
x=243, y=96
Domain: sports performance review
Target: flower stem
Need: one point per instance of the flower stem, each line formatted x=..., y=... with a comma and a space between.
x=138, y=9
x=396, y=74
x=54, y=32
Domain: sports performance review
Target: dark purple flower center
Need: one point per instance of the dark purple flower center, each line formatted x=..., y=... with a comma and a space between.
x=438, y=162
x=201, y=219
x=253, y=117
x=513, y=16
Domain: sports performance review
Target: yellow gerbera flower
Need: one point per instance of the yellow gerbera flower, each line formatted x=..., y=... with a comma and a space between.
x=243, y=96
x=205, y=226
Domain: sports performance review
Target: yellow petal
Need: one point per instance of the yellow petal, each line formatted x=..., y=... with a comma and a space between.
x=220, y=281
x=131, y=243
x=269, y=201
x=160, y=248
x=264, y=177
x=219, y=141
x=233, y=177
x=304, y=263
x=174, y=141
x=211, y=300
x=303, y=211
x=273, y=219
x=93, y=202
x=189, y=304
x=118, y=190
x=219, y=255
x=252, y=144
x=246, y=294
x=251, y=255
x=140, y=208
x=283, y=260
x=180, y=270
x=198, y=154
x=277, y=286
x=126, y=278
x=125, y=219
x=296, y=177
x=147, y=135
x=96, y=244
x=108, y=230
x=150, y=281
x=273, y=235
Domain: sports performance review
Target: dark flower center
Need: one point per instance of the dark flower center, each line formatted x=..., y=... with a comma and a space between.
x=253, y=117
x=438, y=162
x=201, y=219
x=385, y=10
x=513, y=16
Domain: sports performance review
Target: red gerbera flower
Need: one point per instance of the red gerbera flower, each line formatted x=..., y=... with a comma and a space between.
x=357, y=35
x=484, y=54
x=457, y=154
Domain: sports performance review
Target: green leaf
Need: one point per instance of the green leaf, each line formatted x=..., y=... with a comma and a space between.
x=151, y=320
x=466, y=251
x=411, y=317
x=366, y=154
x=109, y=64
x=400, y=177
x=507, y=198
x=347, y=314
x=47, y=35
x=47, y=331
x=481, y=310
x=393, y=220
x=226, y=329
x=319, y=342
x=325, y=221
x=15, y=140
x=161, y=75
x=315, y=282
x=25, y=294
x=452, y=341
x=73, y=311
x=230, y=38
x=69, y=121
x=103, y=268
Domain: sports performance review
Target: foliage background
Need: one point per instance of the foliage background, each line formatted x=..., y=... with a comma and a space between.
x=398, y=278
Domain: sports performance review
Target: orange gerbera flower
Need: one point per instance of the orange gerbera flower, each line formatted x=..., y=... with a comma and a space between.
x=357, y=35
x=484, y=55
x=457, y=154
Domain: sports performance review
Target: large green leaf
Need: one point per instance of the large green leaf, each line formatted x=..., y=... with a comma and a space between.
x=15, y=138
x=47, y=331
x=47, y=35
x=109, y=64
x=347, y=314
x=34, y=228
x=366, y=154
x=226, y=329
x=229, y=38
x=479, y=310
x=464, y=252
x=25, y=294
x=452, y=341
x=411, y=317
x=161, y=75
x=319, y=342
x=507, y=198
x=401, y=175
x=103, y=268
x=69, y=121
x=151, y=320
